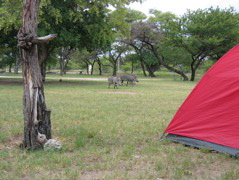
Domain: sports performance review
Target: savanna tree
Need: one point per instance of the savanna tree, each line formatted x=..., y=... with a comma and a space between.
x=149, y=35
x=204, y=34
x=114, y=55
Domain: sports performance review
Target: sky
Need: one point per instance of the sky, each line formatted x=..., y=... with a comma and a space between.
x=179, y=7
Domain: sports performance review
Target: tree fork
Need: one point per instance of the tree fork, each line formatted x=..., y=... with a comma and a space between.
x=37, y=125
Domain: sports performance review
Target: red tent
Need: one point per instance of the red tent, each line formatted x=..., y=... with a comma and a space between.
x=209, y=117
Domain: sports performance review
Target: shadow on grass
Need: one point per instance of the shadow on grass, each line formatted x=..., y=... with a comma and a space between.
x=10, y=82
x=75, y=82
x=56, y=82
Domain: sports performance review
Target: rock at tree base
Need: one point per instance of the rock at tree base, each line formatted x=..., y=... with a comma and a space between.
x=52, y=145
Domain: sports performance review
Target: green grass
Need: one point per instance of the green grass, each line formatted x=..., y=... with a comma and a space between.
x=106, y=133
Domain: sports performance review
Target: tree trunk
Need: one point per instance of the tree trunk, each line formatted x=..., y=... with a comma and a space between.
x=193, y=73
x=43, y=54
x=18, y=63
x=43, y=71
x=150, y=71
x=100, y=66
x=61, y=62
x=114, y=69
x=92, y=70
x=143, y=68
x=10, y=68
x=194, y=66
x=132, y=67
x=37, y=125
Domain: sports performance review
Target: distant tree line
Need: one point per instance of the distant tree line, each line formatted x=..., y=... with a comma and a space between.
x=90, y=35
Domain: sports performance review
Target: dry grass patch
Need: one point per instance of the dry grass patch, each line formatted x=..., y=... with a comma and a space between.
x=118, y=92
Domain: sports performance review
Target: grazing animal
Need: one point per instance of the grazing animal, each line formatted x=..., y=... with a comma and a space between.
x=115, y=81
x=132, y=78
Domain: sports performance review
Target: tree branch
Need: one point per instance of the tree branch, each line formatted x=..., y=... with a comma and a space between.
x=44, y=39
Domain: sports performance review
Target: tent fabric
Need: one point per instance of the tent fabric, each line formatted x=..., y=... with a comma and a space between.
x=211, y=111
x=202, y=144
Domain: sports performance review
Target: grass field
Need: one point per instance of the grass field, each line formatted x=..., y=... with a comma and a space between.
x=106, y=133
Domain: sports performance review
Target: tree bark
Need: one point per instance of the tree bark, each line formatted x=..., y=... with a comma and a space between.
x=142, y=66
x=61, y=62
x=10, y=68
x=132, y=67
x=150, y=71
x=43, y=71
x=114, y=70
x=92, y=70
x=100, y=66
x=18, y=63
x=37, y=126
x=195, y=64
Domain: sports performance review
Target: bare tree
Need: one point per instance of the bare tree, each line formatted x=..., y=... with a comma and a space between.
x=37, y=125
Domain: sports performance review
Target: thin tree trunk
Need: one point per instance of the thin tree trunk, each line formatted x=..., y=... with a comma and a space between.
x=43, y=54
x=61, y=62
x=193, y=72
x=10, y=68
x=100, y=66
x=143, y=68
x=132, y=67
x=195, y=64
x=37, y=126
x=43, y=71
x=18, y=63
x=92, y=66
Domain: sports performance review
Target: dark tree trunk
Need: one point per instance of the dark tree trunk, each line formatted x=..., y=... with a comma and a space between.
x=100, y=66
x=65, y=68
x=194, y=66
x=143, y=68
x=37, y=126
x=61, y=62
x=150, y=71
x=43, y=54
x=43, y=71
x=10, y=68
x=193, y=73
x=132, y=67
x=18, y=63
x=114, y=70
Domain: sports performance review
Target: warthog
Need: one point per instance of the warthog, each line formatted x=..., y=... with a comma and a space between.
x=115, y=81
x=132, y=78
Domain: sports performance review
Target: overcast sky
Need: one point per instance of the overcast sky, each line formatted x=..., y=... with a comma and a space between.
x=179, y=7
